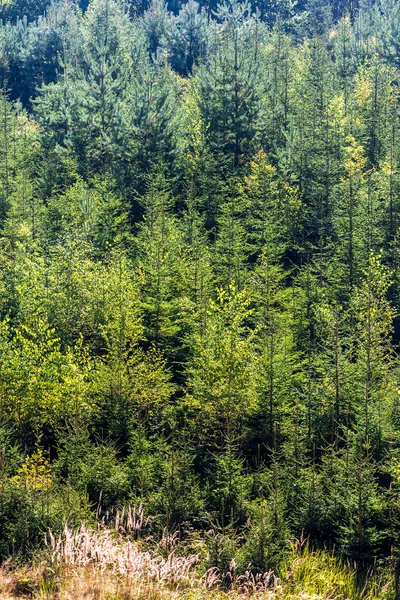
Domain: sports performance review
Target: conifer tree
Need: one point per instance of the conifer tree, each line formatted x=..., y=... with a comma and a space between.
x=276, y=350
x=387, y=21
x=157, y=21
x=345, y=52
x=229, y=85
x=84, y=107
x=153, y=120
x=315, y=121
x=31, y=9
x=372, y=93
x=160, y=264
x=230, y=251
x=373, y=377
x=221, y=391
x=187, y=40
x=279, y=63
x=357, y=213
x=103, y=80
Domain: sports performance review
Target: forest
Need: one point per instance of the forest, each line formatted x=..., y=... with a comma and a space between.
x=199, y=297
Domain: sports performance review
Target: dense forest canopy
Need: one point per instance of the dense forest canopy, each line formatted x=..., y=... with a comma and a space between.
x=200, y=270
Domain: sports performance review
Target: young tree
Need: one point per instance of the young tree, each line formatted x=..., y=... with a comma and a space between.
x=187, y=38
x=386, y=18
x=229, y=85
x=221, y=383
x=161, y=267
x=374, y=382
x=356, y=217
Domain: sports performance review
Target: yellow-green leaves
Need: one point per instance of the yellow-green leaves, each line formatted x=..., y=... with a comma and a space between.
x=35, y=474
x=40, y=386
x=222, y=385
x=355, y=160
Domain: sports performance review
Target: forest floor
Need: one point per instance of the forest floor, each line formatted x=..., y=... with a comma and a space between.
x=110, y=564
x=299, y=583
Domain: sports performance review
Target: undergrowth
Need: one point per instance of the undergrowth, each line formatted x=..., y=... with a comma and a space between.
x=121, y=562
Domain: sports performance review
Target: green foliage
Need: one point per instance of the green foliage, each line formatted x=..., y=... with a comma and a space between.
x=229, y=85
x=221, y=376
x=40, y=385
x=13, y=9
x=199, y=277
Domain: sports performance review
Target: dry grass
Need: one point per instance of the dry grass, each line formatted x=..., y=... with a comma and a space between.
x=114, y=563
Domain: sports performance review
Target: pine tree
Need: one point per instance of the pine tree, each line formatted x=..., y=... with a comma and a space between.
x=103, y=80
x=157, y=21
x=387, y=21
x=85, y=106
x=229, y=85
x=187, y=38
x=153, y=121
x=31, y=9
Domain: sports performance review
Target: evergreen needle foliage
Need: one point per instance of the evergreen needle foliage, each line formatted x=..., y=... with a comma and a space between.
x=199, y=296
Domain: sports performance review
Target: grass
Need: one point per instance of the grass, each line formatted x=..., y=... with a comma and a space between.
x=115, y=564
